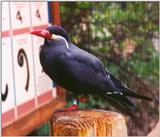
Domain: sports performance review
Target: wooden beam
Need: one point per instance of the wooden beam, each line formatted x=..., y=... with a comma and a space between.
x=34, y=119
x=55, y=13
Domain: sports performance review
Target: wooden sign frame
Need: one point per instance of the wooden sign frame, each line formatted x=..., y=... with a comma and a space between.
x=37, y=117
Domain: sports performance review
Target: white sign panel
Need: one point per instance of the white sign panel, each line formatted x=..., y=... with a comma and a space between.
x=43, y=82
x=8, y=101
x=39, y=13
x=24, y=84
x=23, y=67
x=5, y=16
x=20, y=14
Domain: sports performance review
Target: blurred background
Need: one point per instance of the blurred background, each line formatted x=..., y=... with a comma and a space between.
x=124, y=36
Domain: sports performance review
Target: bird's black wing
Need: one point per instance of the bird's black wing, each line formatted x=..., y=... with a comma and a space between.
x=85, y=70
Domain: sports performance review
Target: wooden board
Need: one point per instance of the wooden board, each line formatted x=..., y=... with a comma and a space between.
x=34, y=119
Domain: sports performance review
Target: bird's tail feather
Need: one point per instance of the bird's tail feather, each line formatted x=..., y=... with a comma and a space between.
x=131, y=93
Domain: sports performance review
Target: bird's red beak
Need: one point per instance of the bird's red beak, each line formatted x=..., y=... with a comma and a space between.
x=42, y=33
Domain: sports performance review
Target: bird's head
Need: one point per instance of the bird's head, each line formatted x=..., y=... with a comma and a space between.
x=52, y=33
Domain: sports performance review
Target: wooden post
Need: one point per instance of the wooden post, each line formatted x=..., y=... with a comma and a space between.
x=89, y=122
x=55, y=13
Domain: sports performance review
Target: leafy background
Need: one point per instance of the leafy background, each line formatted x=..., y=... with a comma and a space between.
x=124, y=35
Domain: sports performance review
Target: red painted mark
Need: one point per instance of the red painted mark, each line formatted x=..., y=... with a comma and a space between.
x=25, y=107
x=8, y=117
x=5, y=34
x=21, y=31
x=47, y=96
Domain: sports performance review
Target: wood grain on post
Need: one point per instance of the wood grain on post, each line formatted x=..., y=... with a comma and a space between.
x=88, y=122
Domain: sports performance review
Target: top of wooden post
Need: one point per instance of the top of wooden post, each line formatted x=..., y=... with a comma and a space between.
x=88, y=122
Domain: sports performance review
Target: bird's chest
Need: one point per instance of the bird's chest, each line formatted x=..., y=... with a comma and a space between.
x=61, y=76
x=56, y=70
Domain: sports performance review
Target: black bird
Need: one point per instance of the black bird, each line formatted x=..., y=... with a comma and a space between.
x=81, y=72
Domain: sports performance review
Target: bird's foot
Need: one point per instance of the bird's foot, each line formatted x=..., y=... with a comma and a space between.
x=71, y=108
x=75, y=104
